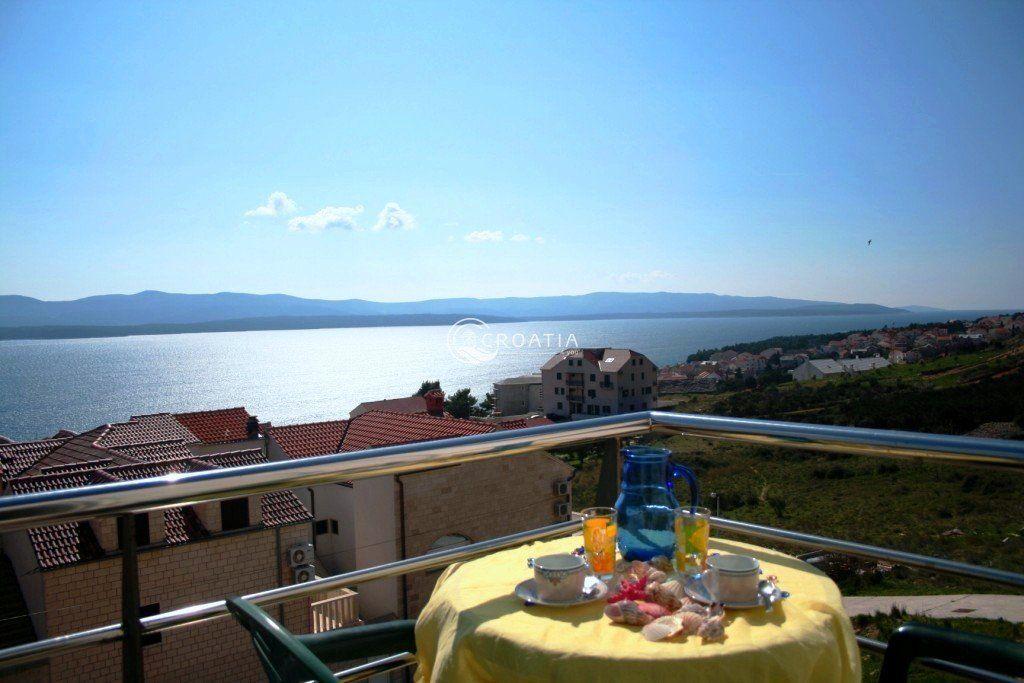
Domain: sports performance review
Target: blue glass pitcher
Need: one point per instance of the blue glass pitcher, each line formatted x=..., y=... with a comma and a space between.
x=646, y=502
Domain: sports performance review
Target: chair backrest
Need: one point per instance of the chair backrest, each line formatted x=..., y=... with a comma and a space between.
x=912, y=641
x=284, y=658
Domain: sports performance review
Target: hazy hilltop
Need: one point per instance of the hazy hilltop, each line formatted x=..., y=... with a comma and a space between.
x=153, y=307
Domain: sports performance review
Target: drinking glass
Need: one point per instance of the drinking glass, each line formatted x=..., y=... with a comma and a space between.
x=693, y=529
x=600, y=528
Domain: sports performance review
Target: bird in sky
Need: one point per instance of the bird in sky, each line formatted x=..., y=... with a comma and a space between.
x=869, y=243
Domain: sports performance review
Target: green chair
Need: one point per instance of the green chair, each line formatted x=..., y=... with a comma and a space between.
x=912, y=641
x=288, y=658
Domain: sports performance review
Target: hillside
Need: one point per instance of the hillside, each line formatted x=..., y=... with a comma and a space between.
x=153, y=307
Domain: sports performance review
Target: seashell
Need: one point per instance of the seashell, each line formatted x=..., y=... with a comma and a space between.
x=689, y=622
x=662, y=563
x=653, y=609
x=662, y=628
x=656, y=576
x=669, y=594
x=693, y=607
x=627, y=612
x=713, y=628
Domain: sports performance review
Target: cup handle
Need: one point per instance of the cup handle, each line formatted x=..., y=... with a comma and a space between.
x=691, y=480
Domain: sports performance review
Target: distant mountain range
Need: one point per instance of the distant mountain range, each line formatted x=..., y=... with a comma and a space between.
x=153, y=312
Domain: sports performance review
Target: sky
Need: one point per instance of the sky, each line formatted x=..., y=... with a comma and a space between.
x=421, y=150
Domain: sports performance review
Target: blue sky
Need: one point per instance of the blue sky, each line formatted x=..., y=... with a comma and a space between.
x=520, y=149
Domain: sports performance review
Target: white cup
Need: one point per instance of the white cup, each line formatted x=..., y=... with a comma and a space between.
x=559, y=577
x=732, y=578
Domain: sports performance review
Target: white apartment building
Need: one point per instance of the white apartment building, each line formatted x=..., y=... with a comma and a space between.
x=580, y=383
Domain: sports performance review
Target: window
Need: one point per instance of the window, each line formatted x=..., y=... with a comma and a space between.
x=607, y=379
x=234, y=514
x=607, y=410
x=558, y=375
x=644, y=405
x=141, y=531
x=643, y=375
x=593, y=377
x=625, y=393
x=632, y=376
x=334, y=527
x=320, y=527
x=591, y=393
x=559, y=405
x=148, y=611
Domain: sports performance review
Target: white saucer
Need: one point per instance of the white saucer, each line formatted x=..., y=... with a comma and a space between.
x=593, y=589
x=696, y=589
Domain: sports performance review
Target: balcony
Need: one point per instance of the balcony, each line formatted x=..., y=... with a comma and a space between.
x=339, y=606
x=574, y=381
x=336, y=611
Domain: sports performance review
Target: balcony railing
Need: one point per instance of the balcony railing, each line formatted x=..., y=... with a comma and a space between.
x=574, y=382
x=127, y=497
x=337, y=611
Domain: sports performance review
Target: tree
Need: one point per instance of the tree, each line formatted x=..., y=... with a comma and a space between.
x=461, y=404
x=428, y=386
x=487, y=405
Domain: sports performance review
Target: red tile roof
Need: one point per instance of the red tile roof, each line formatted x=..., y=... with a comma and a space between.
x=406, y=404
x=523, y=422
x=312, y=438
x=145, y=429
x=65, y=544
x=217, y=426
x=380, y=428
x=18, y=457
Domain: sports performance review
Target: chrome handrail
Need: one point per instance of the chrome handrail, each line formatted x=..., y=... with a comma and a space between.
x=66, y=505
x=32, y=510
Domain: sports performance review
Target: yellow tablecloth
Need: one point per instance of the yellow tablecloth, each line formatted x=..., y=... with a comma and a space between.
x=474, y=629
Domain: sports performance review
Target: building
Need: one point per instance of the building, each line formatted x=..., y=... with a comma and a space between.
x=518, y=395
x=430, y=403
x=381, y=519
x=68, y=576
x=580, y=383
x=818, y=369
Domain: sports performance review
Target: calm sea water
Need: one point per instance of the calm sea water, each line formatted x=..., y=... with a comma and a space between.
x=305, y=375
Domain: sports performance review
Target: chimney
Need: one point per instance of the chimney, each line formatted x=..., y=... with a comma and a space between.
x=435, y=402
x=252, y=427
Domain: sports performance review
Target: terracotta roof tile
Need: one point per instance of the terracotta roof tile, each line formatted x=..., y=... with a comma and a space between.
x=64, y=544
x=380, y=428
x=217, y=426
x=18, y=457
x=309, y=439
x=145, y=429
x=524, y=422
x=405, y=404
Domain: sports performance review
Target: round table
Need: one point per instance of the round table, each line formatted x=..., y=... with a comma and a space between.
x=474, y=629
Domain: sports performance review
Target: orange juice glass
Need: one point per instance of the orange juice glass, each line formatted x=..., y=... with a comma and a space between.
x=600, y=528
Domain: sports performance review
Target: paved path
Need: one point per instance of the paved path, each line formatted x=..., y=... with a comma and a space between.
x=1009, y=607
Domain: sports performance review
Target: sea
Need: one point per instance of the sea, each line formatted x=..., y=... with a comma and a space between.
x=289, y=376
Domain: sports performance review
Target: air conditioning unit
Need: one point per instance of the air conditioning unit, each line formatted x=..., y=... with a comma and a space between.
x=562, y=510
x=300, y=554
x=304, y=573
x=561, y=488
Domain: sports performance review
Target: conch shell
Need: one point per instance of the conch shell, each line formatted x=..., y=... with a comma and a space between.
x=669, y=594
x=627, y=612
x=713, y=628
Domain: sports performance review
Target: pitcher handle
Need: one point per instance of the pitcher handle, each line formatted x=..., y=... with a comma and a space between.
x=691, y=480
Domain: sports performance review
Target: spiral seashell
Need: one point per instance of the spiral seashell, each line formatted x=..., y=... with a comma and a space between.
x=689, y=622
x=669, y=594
x=627, y=612
x=713, y=628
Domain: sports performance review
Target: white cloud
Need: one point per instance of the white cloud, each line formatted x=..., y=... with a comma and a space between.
x=343, y=217
x=485, y=236
x=520, y=237
x=278, y=204
x=641, y=278
x=539, y=240
x=394, y=217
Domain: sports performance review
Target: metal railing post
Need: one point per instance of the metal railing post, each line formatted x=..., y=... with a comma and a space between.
x=131, y=645
x=608, y=481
